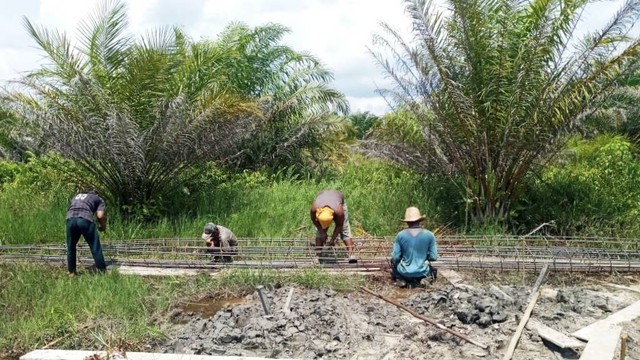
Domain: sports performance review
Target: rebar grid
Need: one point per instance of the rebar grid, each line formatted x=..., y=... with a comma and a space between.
x=458, y=252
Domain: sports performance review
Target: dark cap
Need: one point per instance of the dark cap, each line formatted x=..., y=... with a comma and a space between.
x=209, y=228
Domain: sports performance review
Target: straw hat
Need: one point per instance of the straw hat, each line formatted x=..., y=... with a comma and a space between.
x=412, y=214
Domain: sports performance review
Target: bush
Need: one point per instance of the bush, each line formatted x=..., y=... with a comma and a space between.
x=593, y=190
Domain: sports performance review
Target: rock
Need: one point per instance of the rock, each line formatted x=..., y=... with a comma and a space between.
x=290, y=331
x=563, y=297
x=216, y=349
x=466, y=315
x=549, y=293
x=499, y=317
x=500, y=294
x=332, y=346
x=485, y=305
x=252, y=334
x=484, y=320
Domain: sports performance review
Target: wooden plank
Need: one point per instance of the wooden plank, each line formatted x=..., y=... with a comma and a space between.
x=42, y=354
x=287, y=303
x=555, y=337
x=516, y=336
x=533, y=298
x=603, y=346
x=594, y=330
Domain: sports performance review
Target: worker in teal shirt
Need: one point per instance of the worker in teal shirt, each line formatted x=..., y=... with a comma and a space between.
x=414, y=246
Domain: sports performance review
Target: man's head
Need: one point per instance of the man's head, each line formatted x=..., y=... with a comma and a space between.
x=324, y=216
x=412, y=216
x=209, y=229
x=88, y=189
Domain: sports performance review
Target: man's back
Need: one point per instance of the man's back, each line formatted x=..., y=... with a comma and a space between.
x=227, y=237
x=413, y=247
x=85, y=205
x=331, y=198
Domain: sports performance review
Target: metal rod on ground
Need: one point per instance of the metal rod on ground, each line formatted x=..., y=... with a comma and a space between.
x=287, y=303
x=533, y=298
x=422, y=317
x=623, y=345
x=263, y=299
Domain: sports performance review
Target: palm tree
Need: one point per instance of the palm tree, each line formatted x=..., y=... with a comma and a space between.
x=293, y=91
x=363, y=122
x=134, y=115
x=497, y=84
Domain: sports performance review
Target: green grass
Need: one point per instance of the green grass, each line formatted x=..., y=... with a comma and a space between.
x=252, y=206
x=39, y=304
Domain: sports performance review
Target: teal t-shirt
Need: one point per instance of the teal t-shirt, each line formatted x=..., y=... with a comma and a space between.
x=413, y=247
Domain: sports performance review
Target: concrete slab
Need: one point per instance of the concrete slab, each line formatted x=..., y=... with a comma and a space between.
x=158, y=271
x=555, y=337
x=603, y=346
x=41, y=354
x=164, y=271
x=596, y=329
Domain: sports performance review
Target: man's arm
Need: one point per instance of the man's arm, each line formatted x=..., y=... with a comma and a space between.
x=102, y=220
x=396, y=254
x=433, y=249
x=338, y=218
x=315, y=221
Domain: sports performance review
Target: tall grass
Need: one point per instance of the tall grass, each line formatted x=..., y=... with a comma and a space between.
x=252, y=205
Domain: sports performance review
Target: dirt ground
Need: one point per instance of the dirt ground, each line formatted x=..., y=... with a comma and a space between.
x=326, y=324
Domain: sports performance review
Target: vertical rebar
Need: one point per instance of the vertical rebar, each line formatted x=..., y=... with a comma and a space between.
x=263, y=299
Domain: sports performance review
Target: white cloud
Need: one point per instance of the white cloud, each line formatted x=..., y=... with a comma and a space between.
x=336, y=31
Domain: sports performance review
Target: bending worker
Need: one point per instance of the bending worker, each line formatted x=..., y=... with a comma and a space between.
x=330, y=206
x=220, y=240
x=80, y=223
x=413, y=247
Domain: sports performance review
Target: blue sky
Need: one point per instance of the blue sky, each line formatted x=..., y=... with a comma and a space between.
x=336, y=31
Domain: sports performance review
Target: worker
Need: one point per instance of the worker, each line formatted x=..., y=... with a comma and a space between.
x=413, y=248
x=220, y=240
x=330, y=206
x=80, y=221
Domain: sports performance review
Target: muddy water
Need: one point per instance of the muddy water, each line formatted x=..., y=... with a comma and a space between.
x=207, y=307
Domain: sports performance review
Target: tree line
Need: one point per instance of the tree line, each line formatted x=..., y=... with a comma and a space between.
x=486, y=92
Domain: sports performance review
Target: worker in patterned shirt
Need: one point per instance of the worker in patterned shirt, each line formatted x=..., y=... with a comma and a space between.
x=221, y=242
x=80, y=222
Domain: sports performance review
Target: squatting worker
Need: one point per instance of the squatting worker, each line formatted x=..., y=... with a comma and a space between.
x=80, y=222
x=220, y=240
x=330, y=206
x=413, y=247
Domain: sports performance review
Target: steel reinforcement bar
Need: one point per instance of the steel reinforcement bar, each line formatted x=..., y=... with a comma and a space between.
x=458, y=252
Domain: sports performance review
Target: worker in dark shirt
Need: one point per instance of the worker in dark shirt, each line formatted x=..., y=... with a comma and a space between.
x=80, y=222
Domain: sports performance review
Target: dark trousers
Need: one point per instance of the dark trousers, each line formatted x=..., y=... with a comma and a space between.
x=78, y=226
x=396, y=275
x=218, y=258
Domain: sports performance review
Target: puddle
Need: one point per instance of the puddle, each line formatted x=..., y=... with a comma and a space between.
x=207, y=307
